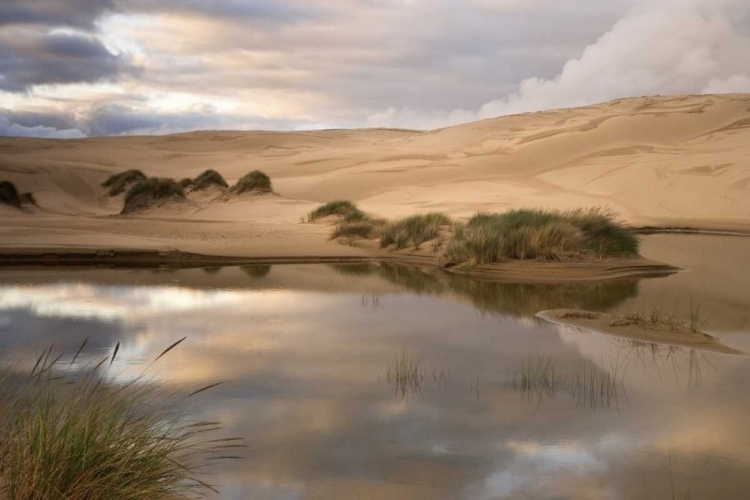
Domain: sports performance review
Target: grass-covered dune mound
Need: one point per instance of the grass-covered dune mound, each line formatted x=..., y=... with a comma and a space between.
x=209, y=178
x=83, y=434
x=118, y=183
x=414, y=230
x=9, y=194
x=541, y=235
x=152, y=192
x=186, y=182
x=339, y=208
x=254, y=182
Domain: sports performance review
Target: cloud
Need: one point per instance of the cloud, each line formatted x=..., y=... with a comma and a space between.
x=71, y=13
x=668, y=48
x=12, y=129
x=175, y=65
x=29, y=57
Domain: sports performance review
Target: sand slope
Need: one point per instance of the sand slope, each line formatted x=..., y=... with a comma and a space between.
x=669, y=161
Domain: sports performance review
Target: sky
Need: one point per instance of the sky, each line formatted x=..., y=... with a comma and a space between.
x=79, y=68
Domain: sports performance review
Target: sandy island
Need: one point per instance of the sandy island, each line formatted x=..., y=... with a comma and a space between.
x=660, y=162
x=665, y=332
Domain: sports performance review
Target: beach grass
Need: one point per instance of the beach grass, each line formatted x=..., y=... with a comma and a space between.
x=82, y=434
x=414, y=230
x=186, y=182
x=340, y=208
x=210, y=178
x=545, y=235
x=9, y=194
x=256, y=181
x=118, y=183
x=146, y=193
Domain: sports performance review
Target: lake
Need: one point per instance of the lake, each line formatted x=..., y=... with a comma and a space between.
x=384, y=381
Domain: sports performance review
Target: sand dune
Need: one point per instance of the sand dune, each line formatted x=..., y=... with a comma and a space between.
x=665, y=161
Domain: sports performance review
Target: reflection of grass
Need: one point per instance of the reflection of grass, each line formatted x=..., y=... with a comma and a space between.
x=257, y=271
x=405, y=373
x=212, y=270
x=513, y=299
x=362, y=269
x=84, y=436
x=539, y=379
x=647, y=355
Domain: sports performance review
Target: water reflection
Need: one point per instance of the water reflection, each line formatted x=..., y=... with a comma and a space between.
x=304, y=354
x=490, y=297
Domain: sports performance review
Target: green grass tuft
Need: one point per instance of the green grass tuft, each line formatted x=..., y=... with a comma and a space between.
x=414, y=230
x=118, y=183
x=186, y=182
x=340, y=208
x=209, y=178
x=149, y=192
x=9, y=194
x=541, y=235
x=255, y=181
x=80, y=434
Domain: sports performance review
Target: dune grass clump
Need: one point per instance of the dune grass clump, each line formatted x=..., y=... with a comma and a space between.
x=366, y=228
x=149, y=192
x=9, y=194
x=209, y=178
x=118, y=183
x=541, y=235
x=414, y=230
x=186, y=182
x=80, y=434
x=255, y=181
x=340, y=208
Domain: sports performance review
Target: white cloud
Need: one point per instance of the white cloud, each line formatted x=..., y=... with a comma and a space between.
x=669, y=47
x=15, y=130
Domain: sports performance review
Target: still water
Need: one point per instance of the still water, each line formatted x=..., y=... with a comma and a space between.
x=307, y=355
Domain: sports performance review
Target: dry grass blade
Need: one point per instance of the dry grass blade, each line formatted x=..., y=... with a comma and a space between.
x=114, y=355
x=210, y=386
x=165, y=351
x=78, y=352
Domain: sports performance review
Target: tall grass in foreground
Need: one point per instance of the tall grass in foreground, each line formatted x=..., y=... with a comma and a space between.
x=414, y=230
x=68, y=435
x=541, y=235
x=118, y=183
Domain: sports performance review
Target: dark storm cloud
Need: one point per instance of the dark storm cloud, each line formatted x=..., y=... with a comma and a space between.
x=121, y=120
x=73, y=13
x=35, y=58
